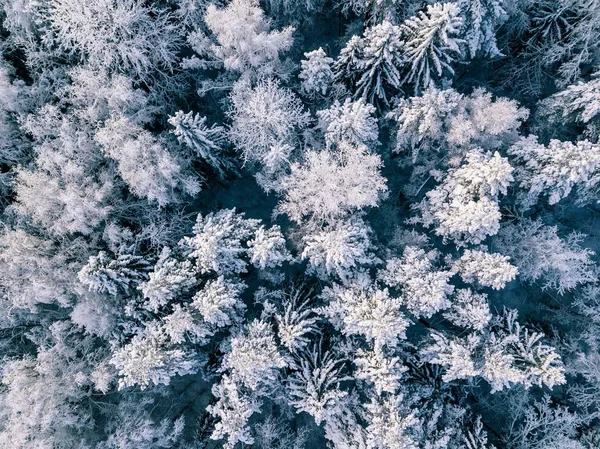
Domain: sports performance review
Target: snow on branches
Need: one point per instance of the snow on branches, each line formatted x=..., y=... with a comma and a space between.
x=219, y=242
x=359, y=309
x=316, y=75
x=206, y=141
x=351, y=121
x=560, y=263
x=431, y=43
x=425, y=290
x=485, y=269
x=332, y=184
x=506, y=355
x=555, y=170
x=339, y=251
x=418, y=52
x=464, y=207
x=443, y=119
x=266, y=120
x=244, y=40
x=368, y=311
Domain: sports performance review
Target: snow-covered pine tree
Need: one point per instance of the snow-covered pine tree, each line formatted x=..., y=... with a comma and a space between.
x=464, y=207
x=508, y=354
x=380, y=63
x=555, y=170
x=316, y=74
x=481, y=21
x=220, y=242
x=207, y=142
x=485, y=269
x=103, y=273
x=431, y=43
x=424, y=289
x=340, y=250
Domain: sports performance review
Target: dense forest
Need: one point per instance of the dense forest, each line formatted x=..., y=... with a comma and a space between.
x=299, y=224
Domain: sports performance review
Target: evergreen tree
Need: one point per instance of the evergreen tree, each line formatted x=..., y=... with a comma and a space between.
x=206, y=141
x=431, y=43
